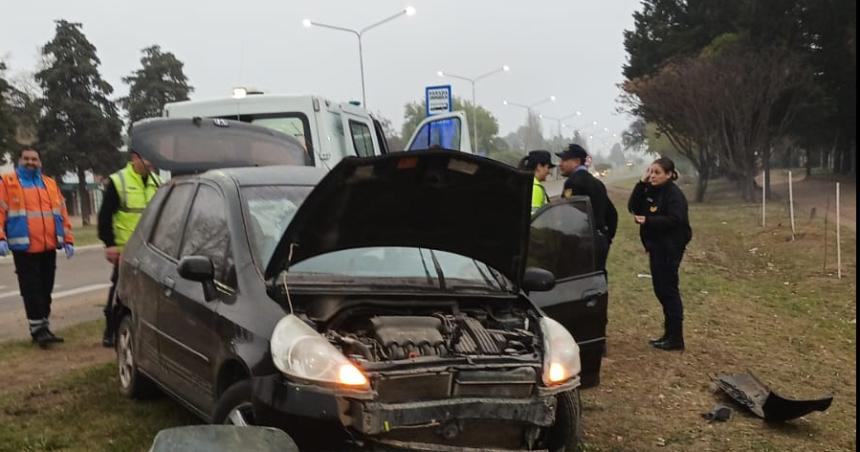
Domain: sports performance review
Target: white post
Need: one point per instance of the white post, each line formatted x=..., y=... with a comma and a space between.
x=838, y=238
x=763, y=199
x=791, y=204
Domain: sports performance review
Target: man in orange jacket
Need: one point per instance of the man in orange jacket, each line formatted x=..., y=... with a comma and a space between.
x=34, y=224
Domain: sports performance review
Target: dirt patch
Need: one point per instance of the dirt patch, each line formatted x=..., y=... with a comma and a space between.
x=24, y=365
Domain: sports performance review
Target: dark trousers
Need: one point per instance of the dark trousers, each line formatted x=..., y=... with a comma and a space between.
x=601, y=251
x=110, y=323
x=664, y=275
x=36, y=273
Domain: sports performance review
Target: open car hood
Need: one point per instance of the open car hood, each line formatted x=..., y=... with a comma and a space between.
x=447, y=201
x=187, y=146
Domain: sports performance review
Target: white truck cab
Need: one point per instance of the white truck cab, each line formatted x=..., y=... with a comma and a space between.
x=329, y=130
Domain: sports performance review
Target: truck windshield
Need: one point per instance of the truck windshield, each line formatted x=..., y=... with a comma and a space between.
x=293, y=124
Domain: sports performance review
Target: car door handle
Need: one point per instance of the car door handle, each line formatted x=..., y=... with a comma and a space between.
x=167, y=284
x=135, y=265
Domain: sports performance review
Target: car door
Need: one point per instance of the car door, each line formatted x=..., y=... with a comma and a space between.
x=444, y=131
x=190, y=344
x=562, y=240
x=154, y=266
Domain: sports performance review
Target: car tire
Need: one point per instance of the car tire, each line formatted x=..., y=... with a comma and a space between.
x=566, y=435
x=132, y=383
x=234, y=407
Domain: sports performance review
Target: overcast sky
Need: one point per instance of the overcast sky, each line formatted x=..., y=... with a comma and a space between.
x=570, y=49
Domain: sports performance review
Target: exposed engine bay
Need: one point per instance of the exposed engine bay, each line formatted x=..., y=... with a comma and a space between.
x=381, y=335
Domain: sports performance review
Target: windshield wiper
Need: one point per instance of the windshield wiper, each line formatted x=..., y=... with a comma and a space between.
x=484, y=275
x=438, y=270
x=424, y=264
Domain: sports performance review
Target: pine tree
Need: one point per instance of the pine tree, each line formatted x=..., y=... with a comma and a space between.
x=159, y=80
x=8, y=143
x=79, y=130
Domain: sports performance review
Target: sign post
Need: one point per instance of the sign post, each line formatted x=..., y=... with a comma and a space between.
x=438, y=99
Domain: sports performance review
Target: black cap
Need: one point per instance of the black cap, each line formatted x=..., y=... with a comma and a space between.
x=541, y=157
x=573, y=151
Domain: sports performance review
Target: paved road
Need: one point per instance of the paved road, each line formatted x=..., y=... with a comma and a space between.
x=79, y=293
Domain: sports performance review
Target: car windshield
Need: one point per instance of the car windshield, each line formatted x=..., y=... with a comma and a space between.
x=271, y=208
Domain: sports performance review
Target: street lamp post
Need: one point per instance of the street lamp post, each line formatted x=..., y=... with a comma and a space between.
x=559, y=120
x=408, y=11
x=503, y=68
x=529, y=108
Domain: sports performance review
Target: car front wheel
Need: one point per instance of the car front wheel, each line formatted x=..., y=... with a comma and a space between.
x=132, y=383
x=566, y=435
x=235, y=407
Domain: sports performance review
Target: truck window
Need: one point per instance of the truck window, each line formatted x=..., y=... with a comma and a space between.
x=362, y=142
x=293, y=124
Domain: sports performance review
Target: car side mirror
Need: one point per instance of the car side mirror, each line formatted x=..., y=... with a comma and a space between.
x=200, y=269
x=538, y=280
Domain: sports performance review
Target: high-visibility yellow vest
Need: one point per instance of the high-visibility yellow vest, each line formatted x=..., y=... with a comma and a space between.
x=539, y=196
x=134, y=195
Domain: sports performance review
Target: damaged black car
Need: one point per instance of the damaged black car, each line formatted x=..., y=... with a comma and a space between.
x=385, y=303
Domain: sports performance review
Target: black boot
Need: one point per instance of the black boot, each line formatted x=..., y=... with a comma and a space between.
x=674, y=338
x=53, y=337
x=42, y=337
x=108, y=338
x=661, y=338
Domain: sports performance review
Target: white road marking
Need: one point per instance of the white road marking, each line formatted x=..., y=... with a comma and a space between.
x=65, y=293
x=80, y=290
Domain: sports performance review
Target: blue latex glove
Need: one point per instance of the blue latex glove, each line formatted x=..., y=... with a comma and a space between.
x=69, y=249
x=4, y=248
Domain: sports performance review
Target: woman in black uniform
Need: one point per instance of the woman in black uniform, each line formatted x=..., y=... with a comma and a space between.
x=660, y=209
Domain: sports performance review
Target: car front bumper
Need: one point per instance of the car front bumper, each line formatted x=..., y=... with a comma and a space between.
x=360, y=413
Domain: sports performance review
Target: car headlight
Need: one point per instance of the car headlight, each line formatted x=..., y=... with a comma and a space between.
x=299, y=351
x=561, y=354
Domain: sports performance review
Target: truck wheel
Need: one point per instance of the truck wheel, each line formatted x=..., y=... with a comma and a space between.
x=235, y=407
x=566, y=435
x=132, y=383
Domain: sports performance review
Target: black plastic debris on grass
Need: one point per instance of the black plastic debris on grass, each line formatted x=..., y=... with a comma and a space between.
x=747, y=390
x=719, y=413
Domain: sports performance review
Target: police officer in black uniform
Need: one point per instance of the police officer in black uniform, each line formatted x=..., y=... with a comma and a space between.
x=660, y=209
x=580, y=182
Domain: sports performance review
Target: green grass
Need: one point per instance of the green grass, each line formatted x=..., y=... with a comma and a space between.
x=84, y=411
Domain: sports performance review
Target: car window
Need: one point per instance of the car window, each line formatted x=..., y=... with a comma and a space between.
x=361, y=139
x=168, y=229
x=562, y=240
x=206, y=232
x=443, y=133
x=269, y=211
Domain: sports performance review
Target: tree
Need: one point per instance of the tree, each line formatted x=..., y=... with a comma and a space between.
x=634, y=137
x=8, y=126
x=159, y=80
x=616, y=156
x=821, y=34
x=487, y=125
x=79, y=130
x=752, y=97
x=528, y=136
